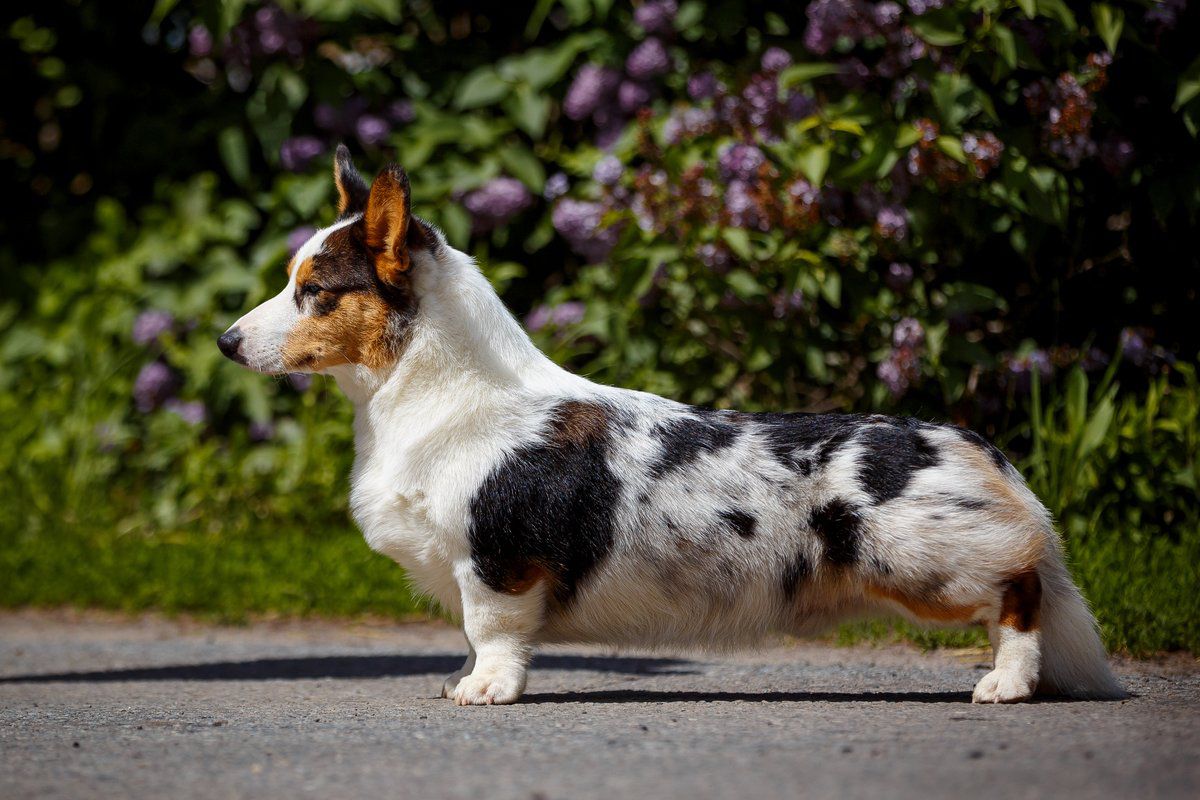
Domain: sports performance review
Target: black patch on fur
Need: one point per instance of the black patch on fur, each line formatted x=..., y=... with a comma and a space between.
x=548, y=506
x=794, y=572
x=820, y=434
x=971, y=503
x=741, y=522
x=971, y=437
x=839, y=526
x=684, y=439
x=892, y=453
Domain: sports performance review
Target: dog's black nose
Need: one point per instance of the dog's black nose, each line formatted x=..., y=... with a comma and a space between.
x=229, y=343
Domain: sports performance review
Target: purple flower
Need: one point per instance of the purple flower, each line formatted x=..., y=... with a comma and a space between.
x=149, y=325
x=830, y=20
x=1020, y=370
x=592, y=89
x=496, y=202
x=908, y=334
x=566, y=314
x=799, y=106
x=919, y=7
x=713, y=256
x=608, y=171
x=776, y=60
x=648, y=60
x=200, y=41
x=342, y=119
x=261, y=431
x=155, y=384
x=786, y=304
x=898, y=276
x=656, y=16
x=579, y=222
x=537, y=318
x=1134, y=345
x=740, y=162
x=401, y=112
x=703, y=85
x=742, y=207
x=298, y=237
x=556, y=186
x=372, y=130
x=300, y=381
x=983, y=150
x=892, y=375
x=1165, y=14
x=1093, y=359
x=891, y=222
x=298, y=152
x=192, y=412
x=887, y=14
x=632, y=95
x=688, y=123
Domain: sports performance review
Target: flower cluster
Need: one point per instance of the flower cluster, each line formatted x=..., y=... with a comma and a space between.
x=902, y=367
x=1066, y=107
x=496, y=202
x=609, y=97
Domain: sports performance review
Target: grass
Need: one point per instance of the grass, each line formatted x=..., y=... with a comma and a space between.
x=1144, y=595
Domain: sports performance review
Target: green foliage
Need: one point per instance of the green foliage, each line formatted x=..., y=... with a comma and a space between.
x=947, y=204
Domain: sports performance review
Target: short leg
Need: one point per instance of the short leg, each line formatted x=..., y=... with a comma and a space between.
x=500, y=627
x=459, y=674
x=1016, y=642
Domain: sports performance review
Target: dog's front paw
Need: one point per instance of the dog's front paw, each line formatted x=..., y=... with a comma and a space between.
x=485, y=688
x=451, y=683
x=1003, y=686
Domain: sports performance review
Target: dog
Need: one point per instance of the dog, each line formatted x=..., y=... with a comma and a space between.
x=537, y=506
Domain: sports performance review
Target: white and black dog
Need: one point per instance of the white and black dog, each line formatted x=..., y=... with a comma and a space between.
x=538, y=506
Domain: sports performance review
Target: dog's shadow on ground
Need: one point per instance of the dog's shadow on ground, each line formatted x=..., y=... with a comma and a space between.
x=387, y=666
x=349, y=667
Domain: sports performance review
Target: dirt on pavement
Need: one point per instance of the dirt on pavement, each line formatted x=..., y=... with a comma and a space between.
x=93, y=705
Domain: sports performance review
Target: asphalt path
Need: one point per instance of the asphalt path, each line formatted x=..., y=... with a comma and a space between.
x=96, y=706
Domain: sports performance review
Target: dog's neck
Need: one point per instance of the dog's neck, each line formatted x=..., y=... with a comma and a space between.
x=463, y=347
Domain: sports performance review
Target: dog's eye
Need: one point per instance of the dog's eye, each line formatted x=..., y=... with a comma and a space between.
x=312, y=289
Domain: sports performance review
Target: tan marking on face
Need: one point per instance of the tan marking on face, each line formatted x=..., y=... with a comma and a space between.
x=1021, y=604
x=579, y=423
x=353, y=333
x=929, y=608
x=303, y=270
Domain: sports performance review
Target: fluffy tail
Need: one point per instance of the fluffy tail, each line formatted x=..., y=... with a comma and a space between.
x=1074, y=662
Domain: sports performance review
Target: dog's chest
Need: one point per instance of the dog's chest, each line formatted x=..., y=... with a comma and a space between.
x=401, y=522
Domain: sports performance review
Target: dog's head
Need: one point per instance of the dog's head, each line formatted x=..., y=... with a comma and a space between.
x=350, y=297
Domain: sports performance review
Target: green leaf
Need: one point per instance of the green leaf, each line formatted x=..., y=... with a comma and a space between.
x=846, y=126
x=803, y=73
x=739, y=242
x=813, y=162
x=1029, y=7
x=524, y=166
x=528, y=109
x=952, y=146
x=1109, y=22
x=1189, y=85
x=235, y=154
x=456, y=223
x=937, y=30
x=1057, y=9
x=1006, y=45
x=481, y=88
x=743, y=284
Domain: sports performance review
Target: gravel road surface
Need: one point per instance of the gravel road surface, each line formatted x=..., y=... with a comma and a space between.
x=94, y=706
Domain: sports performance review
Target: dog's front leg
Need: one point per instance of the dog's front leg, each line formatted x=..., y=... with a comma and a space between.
x=500, y=628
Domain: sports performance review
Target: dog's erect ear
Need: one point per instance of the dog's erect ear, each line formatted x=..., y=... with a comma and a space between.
x=352, y=189
x=387, y=222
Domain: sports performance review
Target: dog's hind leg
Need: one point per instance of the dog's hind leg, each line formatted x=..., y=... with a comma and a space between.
x=1016, y=643
x=500, y=627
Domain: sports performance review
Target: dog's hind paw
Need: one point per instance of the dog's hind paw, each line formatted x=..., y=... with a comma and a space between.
x=1003, y=686
x=488, y=688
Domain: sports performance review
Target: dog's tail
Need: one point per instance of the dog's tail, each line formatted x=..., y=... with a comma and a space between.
x=1074, y=662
